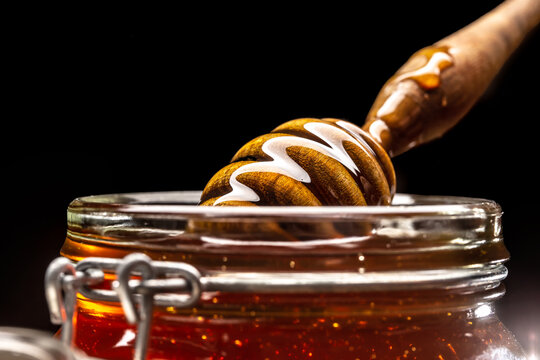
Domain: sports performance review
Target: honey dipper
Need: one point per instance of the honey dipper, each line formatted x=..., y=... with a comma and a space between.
x=334, y=162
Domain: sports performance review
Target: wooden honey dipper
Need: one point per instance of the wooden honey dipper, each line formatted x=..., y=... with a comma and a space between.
x=334, y=162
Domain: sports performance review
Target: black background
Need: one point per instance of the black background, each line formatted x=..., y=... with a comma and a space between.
x=146, y=99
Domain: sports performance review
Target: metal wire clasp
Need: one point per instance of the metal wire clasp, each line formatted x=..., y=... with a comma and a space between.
x=149, y=285
x=139, y=281
x=62, y=283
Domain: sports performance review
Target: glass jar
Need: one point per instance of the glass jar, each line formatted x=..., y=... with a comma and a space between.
x=415, y=280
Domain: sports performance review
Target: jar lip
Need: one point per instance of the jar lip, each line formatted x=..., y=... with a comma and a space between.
x=184, y=203
x=415, y=233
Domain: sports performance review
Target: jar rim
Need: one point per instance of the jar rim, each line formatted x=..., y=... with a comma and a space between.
x=414, y=233
x=184, y=204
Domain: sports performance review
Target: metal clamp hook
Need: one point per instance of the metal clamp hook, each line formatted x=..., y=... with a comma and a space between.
x=131, y=292
x=62, y=283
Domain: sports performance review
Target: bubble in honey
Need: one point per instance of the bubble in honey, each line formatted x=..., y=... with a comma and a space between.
x=444, y=101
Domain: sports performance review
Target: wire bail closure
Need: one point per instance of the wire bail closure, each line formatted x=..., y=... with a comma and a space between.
x=147, y=288
x=139, y=280
x=143, y=283
x=62, y=283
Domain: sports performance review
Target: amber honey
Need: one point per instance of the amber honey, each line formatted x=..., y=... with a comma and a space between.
x=367, y=326
x=431, y=270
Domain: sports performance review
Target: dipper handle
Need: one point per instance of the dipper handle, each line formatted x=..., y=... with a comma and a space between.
x=439, y=84
x=333, y=162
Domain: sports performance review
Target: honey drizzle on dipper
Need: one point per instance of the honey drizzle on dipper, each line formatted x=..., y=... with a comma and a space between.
x=334, y=161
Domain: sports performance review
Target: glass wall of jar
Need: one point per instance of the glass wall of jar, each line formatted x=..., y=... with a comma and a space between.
x=414, y=280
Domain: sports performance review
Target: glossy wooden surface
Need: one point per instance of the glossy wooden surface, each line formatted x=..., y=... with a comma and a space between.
x=439, y=84
x=306, y=162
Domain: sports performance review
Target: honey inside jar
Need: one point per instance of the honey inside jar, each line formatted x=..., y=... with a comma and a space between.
x=414, y=280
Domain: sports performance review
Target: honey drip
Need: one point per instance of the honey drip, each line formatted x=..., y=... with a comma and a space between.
x=427, y=76
x=401, y=117
x=427, y=65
